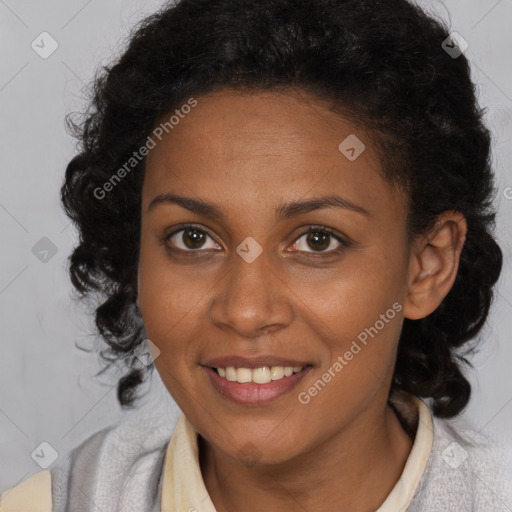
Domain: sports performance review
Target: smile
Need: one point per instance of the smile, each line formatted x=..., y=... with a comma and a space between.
x=258, y=386
x=261, y=375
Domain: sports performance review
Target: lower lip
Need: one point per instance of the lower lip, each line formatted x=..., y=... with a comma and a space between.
x=255, y=394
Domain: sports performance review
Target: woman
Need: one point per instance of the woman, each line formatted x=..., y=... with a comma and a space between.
x=289, y=205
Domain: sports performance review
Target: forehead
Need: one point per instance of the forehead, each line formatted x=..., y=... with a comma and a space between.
x=266, y=147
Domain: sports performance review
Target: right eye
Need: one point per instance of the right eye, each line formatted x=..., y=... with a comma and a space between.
x=190, y=239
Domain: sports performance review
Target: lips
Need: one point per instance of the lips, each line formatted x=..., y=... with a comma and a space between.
x=260, y=391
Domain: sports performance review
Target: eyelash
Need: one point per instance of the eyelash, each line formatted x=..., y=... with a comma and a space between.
x=344, y=243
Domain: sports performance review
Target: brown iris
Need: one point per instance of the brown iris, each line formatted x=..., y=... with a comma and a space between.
x=193, y=238
x=318, y=240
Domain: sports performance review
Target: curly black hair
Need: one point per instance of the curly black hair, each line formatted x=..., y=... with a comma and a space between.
x=381, y=63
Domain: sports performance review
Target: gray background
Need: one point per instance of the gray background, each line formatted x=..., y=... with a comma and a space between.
x=47, y=389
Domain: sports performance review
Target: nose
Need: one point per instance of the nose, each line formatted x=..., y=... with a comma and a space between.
x=252, y=299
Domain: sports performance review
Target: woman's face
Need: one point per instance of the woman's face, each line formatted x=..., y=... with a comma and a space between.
x=247, y=281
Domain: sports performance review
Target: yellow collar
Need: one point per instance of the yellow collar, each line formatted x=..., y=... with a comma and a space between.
x=183, y=488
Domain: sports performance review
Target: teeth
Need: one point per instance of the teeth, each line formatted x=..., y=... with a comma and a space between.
x=231, y=373
x=243, y=375
x=276, y=372
x=261, y=375
x=288, y=371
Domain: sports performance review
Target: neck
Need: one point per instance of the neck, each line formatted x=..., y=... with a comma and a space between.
x=354, y=470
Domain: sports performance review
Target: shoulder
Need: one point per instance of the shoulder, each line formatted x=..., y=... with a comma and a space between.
x=119, y=463
x=32, y=494
x=467, y=470
x=38, y=492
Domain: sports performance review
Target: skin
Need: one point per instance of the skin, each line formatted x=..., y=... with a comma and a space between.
x=247, y=154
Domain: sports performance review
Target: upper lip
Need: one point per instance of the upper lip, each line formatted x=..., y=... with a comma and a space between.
x=252, y=362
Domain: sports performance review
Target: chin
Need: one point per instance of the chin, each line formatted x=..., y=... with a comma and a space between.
x=251, y=454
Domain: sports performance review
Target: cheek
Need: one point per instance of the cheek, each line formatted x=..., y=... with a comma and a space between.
x=358, y=315
x=359, y=321
x=170, y=303
x=167, y=293
x=355, y=295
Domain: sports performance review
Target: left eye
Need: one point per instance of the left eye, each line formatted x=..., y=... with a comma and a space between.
x=320, y=240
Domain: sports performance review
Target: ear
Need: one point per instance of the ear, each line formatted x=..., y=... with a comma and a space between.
x=434, y=261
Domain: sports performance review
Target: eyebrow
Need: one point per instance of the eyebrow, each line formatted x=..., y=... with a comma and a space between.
x=285, y=211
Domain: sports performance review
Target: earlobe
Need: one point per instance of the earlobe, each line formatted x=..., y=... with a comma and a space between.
x=434, y=264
